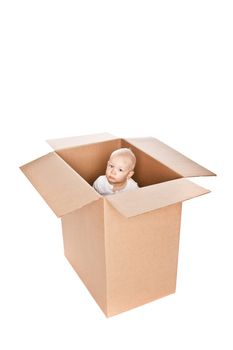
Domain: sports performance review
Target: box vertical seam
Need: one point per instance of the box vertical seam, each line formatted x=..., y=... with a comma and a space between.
x=105, y=257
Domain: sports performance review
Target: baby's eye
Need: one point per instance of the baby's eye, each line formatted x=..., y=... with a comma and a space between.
x=110, y=165
x=120, y=169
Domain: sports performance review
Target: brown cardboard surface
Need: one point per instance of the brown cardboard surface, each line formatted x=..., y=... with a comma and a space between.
x=153, y=197
x=75, y=141
x=149, y=171
x=89, y=160
x=141, y=256
x=84, y=246
x=170, y=157
x=60, y=186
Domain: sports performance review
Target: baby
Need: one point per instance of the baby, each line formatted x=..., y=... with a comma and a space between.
x=120, y=169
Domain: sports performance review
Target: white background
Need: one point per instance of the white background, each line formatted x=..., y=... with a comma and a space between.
x=131, y=68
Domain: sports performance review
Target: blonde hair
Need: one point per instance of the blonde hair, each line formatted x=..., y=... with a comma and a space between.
x=125, y=152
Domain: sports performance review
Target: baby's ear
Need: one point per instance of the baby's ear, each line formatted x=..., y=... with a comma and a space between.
x=130, y=174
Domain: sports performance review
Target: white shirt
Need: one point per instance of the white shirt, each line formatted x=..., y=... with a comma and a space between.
x=102, y=186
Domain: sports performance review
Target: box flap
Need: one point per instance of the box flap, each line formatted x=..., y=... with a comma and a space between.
x=169, y=157
x=145, y=199
x=60, y=186
x=69, y=142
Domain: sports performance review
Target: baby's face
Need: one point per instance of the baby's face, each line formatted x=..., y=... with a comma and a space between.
x=119, y=169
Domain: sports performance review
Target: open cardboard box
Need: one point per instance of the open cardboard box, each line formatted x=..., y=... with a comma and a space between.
x=124, y=246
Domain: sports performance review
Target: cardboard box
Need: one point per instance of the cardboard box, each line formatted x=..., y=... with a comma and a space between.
x=124, y=246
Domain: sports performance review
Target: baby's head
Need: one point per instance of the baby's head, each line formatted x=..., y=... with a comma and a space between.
x=120, y=166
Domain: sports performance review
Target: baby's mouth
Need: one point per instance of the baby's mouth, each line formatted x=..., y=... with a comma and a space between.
x=111, y=178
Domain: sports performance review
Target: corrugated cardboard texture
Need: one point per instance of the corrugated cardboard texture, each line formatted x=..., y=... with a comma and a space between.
x=142, y=255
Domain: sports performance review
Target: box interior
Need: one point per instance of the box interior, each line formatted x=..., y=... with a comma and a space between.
x=90, y=161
